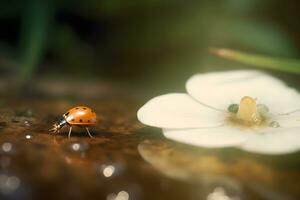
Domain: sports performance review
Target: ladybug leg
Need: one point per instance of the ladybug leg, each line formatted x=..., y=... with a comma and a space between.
x=87, y=129
x=69, y=135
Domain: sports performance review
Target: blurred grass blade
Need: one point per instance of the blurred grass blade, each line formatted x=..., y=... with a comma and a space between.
x=35, y=26
x=280, y=64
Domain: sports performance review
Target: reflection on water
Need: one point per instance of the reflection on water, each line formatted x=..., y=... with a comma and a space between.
x=108, y=171
x=122, y=195
x=222, y=175
x=79, y=147
x=220, y=194
x=34, y=162
x=37, y=165
x=28, y=136
x=6, y=147
x=8, y=184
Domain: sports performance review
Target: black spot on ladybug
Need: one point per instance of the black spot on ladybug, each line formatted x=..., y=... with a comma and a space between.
x=73, y=120
x=80, y=120
x=84, y=108
x=76, y=108
x=67, y=114
x=89, y=121
x=92, y=111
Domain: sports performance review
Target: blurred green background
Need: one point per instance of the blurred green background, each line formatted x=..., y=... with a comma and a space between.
x=149, y=43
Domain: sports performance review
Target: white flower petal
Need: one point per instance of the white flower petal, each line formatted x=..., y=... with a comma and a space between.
x=178, y=111
x=289, y=120
x=223, y=136
x=279, y=141
x=220, y=89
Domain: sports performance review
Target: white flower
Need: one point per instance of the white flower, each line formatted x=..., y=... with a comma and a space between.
x=246, y=109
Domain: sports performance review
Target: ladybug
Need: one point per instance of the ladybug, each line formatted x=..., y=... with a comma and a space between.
x=81, y=116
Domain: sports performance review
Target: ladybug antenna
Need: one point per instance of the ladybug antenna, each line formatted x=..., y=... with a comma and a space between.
x=55, y=128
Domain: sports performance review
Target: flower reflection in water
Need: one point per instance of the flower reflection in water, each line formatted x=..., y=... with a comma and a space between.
x=233, y=170
x=220, y=194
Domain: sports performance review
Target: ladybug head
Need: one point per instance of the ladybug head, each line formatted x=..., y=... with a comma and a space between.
x=58, y=125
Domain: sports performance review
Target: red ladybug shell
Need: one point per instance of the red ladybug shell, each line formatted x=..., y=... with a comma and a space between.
x=80, y=115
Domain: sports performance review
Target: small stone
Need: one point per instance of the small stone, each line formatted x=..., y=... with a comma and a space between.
x=274, y=124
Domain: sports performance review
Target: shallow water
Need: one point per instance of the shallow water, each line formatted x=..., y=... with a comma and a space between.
x=125, y=160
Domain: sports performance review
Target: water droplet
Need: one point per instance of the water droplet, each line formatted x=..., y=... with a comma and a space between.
x=76, y=146
x=233, y=108
x=274, y=124
x=28, y=137
x=7, y=147
x=108, y=171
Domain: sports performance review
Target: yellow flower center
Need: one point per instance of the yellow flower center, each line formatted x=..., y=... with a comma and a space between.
x=247, y=112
